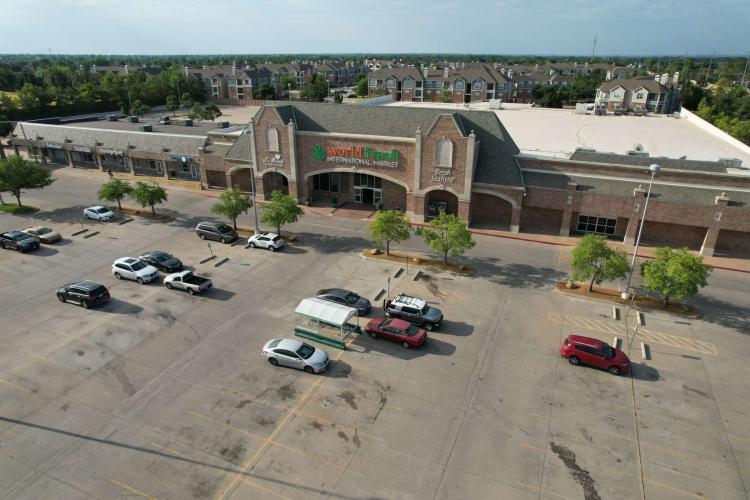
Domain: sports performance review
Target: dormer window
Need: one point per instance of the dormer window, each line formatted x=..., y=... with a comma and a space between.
x=476, y=84
x=272, y=139
x=444, y=153
x=459, y=85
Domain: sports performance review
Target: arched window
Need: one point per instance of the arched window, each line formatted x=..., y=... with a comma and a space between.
x=444, y=153
x=272, y=139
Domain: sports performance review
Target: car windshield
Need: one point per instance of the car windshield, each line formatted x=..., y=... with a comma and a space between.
x=274, y=343
x=161, y=257
x=352, y=297
x=97, y=291
x=138, y=265
x=305, y=351
x=412, y=330
x=224, y=229
x=43, y=230
x=276, y=238
x=385, y=323
x=101, y=210
x=609, y=352
x=424, y=310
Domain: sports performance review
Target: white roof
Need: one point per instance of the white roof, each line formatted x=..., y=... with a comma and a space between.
x=329, y=312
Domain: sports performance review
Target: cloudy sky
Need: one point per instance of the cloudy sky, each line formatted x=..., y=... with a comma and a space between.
x=565, y=27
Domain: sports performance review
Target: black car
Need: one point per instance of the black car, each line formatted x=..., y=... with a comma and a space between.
x=16, y=240
x=345, y=297
x=84, y=293
x=215, y=231
x=162, y=261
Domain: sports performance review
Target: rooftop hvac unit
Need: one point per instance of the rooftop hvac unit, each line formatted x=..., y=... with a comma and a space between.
x=133, y=119
x=113, y=118
x=730, y=162
x=638, y=153
x=147, y=127
x=223, y=124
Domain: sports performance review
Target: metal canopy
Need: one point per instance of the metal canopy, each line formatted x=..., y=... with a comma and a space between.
x=327, y=312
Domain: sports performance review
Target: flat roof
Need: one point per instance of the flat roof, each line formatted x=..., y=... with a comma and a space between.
x=197, y=129
x=558, y=132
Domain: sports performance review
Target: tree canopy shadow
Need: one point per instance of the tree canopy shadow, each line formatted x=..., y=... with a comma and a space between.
x=513, y=274
x=327, y=244
x=723, y=313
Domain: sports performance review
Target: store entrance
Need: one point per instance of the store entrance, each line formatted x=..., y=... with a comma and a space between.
x=367, y=190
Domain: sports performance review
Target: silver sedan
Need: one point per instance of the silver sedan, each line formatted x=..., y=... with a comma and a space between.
x=295, y=354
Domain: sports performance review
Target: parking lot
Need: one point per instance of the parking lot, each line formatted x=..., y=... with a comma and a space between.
x=159, y=394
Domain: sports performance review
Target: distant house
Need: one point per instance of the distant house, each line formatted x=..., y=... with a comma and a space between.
x=637, y=95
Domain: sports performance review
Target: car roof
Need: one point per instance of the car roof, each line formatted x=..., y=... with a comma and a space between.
x=35, y=228
x=289, y=344
x=16, y=233
x=333, y=291
x=410, y=301
x=591, y=342
x=126, y=260
x=155, y=253
x=399, y=323
x=94, y=207
x=87, y=284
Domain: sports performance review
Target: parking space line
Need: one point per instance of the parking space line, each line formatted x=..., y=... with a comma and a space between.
x=538, y=416
x=678, y=490
x=276, y=431
x=168, y=450
x=264, y=489
x=534, y=447
x=132, y=490
x=16, y=386
x=540, y=490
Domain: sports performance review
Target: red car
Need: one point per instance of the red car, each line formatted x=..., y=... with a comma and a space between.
x=585, y=350
x=403, y=332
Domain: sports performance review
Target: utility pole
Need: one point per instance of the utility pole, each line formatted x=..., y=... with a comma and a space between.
x=744, y=72
x=708, y=70
x=593, y=49
x=130, y=103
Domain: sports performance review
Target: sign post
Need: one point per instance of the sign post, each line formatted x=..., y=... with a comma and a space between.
x=209, y=249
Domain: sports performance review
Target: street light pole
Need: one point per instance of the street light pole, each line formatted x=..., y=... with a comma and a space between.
x=654, y=168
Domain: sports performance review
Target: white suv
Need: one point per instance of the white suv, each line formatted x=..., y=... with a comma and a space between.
x=134, y=269
x=271, y=241
x=98, y=212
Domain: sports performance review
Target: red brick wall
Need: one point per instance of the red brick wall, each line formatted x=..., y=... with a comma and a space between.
x=674, y=235
x=243, y=179
x=445, y=127
x=271, y=119
x=541, y=220
x=733, y=244
x=490, y=212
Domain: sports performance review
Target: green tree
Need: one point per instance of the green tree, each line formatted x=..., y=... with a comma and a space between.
x=283, y=209
x=196, y=113
x=265, y=91
x=115, y=190
x=316, y=90
x=445, y=95
x=362, y=86
x=233, y=203
x=593, y=259
x=338, y=97
x=447, y=234
x=148, y=195
x=172, y=104
x=17, y=174
x=389, y=225
x=674, y=273
x=139, y=108
x=210, y=112
x=288, y=82
x=186, y=101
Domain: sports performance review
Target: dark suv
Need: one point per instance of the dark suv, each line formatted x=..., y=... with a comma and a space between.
x=17, y=240
x=84, y=293
x=414, y=310
x=215, y=231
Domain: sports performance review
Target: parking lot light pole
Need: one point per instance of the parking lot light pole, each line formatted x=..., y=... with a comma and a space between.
x=654, y=168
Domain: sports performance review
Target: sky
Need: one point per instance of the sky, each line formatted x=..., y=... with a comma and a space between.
x=560, y=27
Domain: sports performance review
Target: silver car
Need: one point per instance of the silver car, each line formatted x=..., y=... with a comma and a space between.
x=295, y=354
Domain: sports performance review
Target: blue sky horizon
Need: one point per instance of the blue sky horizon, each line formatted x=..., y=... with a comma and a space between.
x=624, y=28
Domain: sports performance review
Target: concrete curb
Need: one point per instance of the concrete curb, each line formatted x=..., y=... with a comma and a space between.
x=379, y=294
x=417, y=276
x=222, y=261
x=207, y=259
x=91, y=234
x=124, y=221
x=79, y=232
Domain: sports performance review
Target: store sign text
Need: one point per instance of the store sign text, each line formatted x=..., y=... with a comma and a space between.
x=82, y=149
x=443, y=176
x=357, y=156
x=50, y=145
x=273, y=161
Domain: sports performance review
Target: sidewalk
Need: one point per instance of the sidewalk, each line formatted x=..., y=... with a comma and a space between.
x=646, y=252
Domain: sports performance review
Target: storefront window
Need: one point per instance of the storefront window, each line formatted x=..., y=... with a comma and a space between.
x=368, y=181
x=331, y=182
x=594, y=224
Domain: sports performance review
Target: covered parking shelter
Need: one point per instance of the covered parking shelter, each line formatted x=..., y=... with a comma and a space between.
x=325, y=322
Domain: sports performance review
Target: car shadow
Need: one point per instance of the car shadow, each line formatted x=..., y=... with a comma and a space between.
x=433, y=346
x=62, y=242
x=216, y=294
x=117, y=306
x=456, y=328
x=639, y=371
x=71, y=215
x=44, y=251
x=293, y=250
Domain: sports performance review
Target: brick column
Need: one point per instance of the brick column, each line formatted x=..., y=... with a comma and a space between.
x=409, y=209
x=515, y=220
x=418, y=208
x=712, y=233
x=44, y=156
x=259, y=186
x=568, y=210
x=98, y=160
x=70, y=158
x=229, y=180
x=639, y=197
x=463, y=211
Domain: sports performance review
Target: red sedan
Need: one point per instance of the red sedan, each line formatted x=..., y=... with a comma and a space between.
x=585, y=350
x=403, y=332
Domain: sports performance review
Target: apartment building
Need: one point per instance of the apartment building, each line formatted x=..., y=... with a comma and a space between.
x=653, y=95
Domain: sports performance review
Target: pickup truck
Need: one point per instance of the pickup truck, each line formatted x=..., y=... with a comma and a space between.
x=187, y=281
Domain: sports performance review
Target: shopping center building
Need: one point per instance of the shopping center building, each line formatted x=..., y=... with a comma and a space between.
x=424, y=160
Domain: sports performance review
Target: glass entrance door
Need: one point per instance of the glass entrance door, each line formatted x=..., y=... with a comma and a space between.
x=357, y=195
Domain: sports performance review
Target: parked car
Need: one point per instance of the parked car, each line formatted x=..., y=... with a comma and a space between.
x=588, y=351
x=187, y=281
x=270, y=241
x=295, y=354
x=17, y=240
x=215, y=231
x=84, y=293
x=345, y=297
x=414, y=310
x=45, y=234
x=405, y=333
x=162, y=261
x=98, y=212
x=133, y=269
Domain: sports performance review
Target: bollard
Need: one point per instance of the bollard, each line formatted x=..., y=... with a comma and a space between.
x=615, y=313
x=616, y=342
x=645, y=351
x=641, y=319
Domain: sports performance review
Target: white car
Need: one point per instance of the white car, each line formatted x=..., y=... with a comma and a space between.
x=134, y=269
x=270, y=241
x=295, y=354
x=98, y=212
